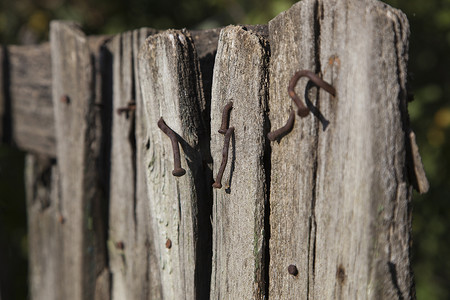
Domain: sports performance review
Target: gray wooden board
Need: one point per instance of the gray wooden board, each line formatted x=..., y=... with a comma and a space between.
x=27, y=96
x=45, y=228
x=122, y=214
x=132, y=275
x=241, y=76
x=147, y=276
x=366, y=148
x=85, y=274
x=341, y=210
x=293, y=158
x=30, y=98
x=171, y=88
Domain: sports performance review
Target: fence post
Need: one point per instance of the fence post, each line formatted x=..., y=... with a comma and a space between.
x=171, y=89
x=82, y=264
x=332, y=197
x=340, y=196
x=240, y=77
x=45, y=221
x=132, y=260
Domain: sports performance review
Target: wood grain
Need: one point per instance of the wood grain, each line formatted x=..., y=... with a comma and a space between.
x=347, y=197
x=294, y=157
x=29, y=96
x=45, y=228
x=83, y=262
x=171, y=88
x=239, y=207
x=130, y=241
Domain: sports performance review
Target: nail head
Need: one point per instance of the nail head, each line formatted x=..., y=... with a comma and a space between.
x=178, y=172
x=65, y=99
x=292, y=269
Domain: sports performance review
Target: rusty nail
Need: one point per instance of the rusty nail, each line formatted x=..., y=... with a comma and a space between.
x=218, y=183
x=64, y=99
x=276, y=134
x=120, y=245
x=61, y=219
x=168, y=244
x=225, y=117
x=292, y=269
x=131, y=106
x=178, y=170
x=302, y=109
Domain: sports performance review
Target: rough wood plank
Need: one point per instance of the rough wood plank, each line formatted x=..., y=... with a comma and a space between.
x=171, y=88
x=241, y=76
x=84, y=273
x=364, y=223
x=293, y=158
x=45, y=227
x=344, y=203
x=122, y=214
x=147, y=276
x=130, y=242
x=32, y=125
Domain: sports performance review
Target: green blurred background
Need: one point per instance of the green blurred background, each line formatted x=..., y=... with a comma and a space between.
x=27, y=22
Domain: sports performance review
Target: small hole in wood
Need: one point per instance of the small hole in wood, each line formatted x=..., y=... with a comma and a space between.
x=340, y=275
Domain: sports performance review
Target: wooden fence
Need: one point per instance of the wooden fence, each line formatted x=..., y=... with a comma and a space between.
x=322, y=212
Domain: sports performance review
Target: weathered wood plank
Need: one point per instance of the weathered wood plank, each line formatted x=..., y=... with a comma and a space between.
x=363, y=223
x=84, y=272
x=240, y=76
x=130, y=241
x=171, y=88
x=122, y=214
x=340, y=211
x=45, y=227
x=294, y=157
x=149, y=277
x=29, y=83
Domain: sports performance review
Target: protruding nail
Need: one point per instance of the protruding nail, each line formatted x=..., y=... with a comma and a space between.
x=120, y=245
x=64, y=99
x=292, y=269
x=61, y=219
x=276, y=134
x=225, y=117
x=302, y=109
x=177, y=170
x=218, y=183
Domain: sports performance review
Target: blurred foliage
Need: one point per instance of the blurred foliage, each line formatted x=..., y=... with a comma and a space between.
x=430, y=116
x=13, y=221
x=27, y=21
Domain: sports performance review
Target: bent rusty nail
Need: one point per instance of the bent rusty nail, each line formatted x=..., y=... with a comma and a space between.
x=177, y=170
x=225, y=117
x=218, y=183
x=130, y=107
x=276, y=134
x=302, y=109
